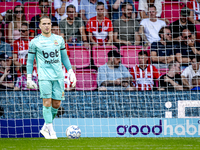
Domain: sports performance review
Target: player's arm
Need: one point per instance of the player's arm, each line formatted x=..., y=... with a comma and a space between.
x=67, y=64
x=29, y=67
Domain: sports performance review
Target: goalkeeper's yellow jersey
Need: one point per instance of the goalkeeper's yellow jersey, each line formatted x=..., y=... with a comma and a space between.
x=48, y=56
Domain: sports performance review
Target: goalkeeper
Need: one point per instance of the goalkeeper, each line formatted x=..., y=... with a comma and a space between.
x=50, y=53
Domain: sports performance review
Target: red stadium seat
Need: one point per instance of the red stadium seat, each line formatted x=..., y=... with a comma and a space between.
x=171, y=10
x=4, y=6
x=130, y=55
x=198, y=32
x=100, y=56
x=86, y=79
x=32, y=8
x=79, y=56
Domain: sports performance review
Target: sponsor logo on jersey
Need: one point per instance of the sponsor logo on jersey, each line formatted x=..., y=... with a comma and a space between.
x=51, y=55
x=56, y=42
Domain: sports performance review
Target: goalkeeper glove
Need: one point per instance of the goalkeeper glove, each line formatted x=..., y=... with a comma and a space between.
x=72, y=77
x=30, y=83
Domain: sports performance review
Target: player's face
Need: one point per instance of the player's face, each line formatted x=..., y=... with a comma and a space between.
x=128, y=11
x=100, y=10
x=71, y=13
x=142, y=59
x=152, y=12
x=45, y=26
x=167, y=35
x=55, y=30
x=44, y=7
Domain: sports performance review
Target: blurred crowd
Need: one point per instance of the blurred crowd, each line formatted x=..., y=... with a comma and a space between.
x=167, y=45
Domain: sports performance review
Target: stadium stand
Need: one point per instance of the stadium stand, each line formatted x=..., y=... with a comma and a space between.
x=79, y=56
x=86, y=79
x=32, y=8
x=4, y=6
x=130, y=55
x=100, y=54
x=167, y=12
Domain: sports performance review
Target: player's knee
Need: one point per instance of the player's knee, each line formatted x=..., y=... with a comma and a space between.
x=56, y=104
x=47, y=102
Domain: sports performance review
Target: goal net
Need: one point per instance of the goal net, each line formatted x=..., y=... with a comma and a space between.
x=137, y=68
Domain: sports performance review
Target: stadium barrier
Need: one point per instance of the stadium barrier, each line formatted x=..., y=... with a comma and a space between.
x=105, y=114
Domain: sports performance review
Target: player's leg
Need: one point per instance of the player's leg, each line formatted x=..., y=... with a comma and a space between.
x=54, y=107
x=46, y=94
x=57, y=95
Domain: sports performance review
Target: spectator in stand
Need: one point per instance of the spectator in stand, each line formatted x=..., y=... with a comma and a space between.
x=88, y=9
x=150, y=27
x=100, y=28
x=143, y=9
x=188, y=47
x=7, y=76
x=162, y=52
x=15, y=25
x=143, y=73
x=144, y=4
x=5, y=48
x=20, y=47
x=60, y=7
x=126, y=30
x=171, y=80
x=34, y=24
x=116, y=8
x=73, y=29
x=55, y=30
x=179, y=25
x=196, y=83
x=21, y=83
x=191, y=71
x=194, y=6
x=113, y=75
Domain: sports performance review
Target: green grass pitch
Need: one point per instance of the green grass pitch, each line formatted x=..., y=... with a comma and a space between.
x=100, y=144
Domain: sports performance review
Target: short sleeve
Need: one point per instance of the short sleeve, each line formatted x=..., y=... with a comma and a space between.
x=32, y=47
x=62, y=27
x=116, y=26
x=57, y=4
x=110, y=26
x=132, y=73
x=156, y=74
x=125, y=72
x=88, y=29
x=185, y=72
x=101, y=77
